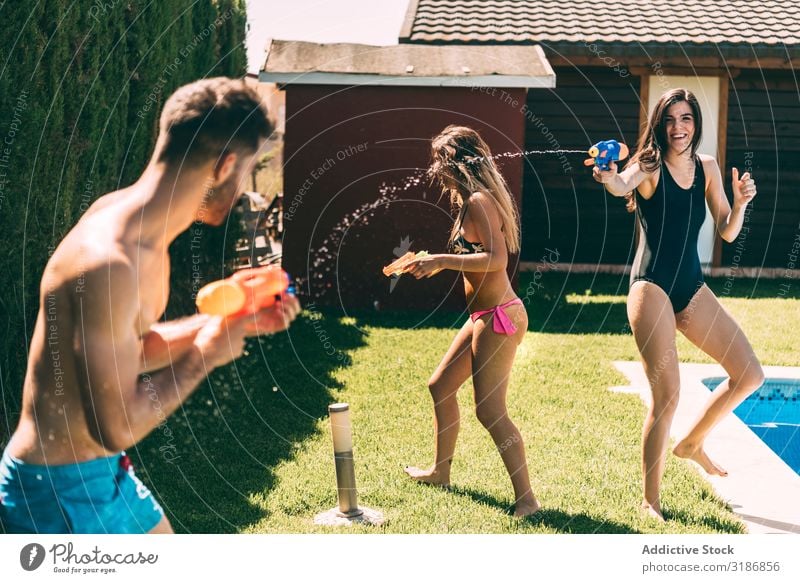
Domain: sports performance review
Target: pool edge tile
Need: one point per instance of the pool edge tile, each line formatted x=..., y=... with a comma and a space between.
x=760, y=487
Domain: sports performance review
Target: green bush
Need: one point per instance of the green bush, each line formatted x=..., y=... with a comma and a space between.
x=81, y=87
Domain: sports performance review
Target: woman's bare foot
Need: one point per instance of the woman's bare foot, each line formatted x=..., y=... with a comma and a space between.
x=698, y=455
x=526, y=508
x=653, y=511
x=432, y=476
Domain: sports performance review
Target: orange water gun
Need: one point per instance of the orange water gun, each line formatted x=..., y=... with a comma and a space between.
x=400, y=266
x=245, y=292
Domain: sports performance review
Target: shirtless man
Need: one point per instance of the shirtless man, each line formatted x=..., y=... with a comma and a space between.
x=86, y=397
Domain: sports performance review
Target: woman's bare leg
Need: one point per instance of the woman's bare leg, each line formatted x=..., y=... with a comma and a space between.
x=452, y=372
x=708, y=325
x=653, y=323
x=492, y=358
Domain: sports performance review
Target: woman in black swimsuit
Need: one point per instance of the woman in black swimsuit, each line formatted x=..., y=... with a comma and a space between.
x=667, y=182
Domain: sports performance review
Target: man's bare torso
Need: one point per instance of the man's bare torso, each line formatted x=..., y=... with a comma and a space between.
x=53, y=426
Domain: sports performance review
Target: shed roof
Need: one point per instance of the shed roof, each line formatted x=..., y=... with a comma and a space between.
x=352, y=64
x=725, y=23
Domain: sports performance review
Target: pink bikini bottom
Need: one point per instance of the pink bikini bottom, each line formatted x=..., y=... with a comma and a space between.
x=502, y=323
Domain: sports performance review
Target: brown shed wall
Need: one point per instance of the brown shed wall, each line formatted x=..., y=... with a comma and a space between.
x=564, y=209
x=341, y=145
x=764, y=138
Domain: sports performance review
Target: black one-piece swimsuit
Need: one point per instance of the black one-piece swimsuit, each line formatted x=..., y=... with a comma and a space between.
x=669, y=223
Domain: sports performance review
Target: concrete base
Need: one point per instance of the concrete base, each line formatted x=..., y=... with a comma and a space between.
x=334, y=517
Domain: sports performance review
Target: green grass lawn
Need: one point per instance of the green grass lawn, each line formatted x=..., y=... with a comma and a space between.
x=254, y=445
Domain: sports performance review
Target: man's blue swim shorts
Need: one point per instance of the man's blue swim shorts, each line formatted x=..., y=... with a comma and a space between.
x=101, y=496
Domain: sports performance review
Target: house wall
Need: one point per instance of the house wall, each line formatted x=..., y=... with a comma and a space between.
x=564, y=209
x=341, y=145
x=764, y=139
x=757, y=128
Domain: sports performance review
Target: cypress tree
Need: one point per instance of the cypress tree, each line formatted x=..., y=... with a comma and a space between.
x=81, y=87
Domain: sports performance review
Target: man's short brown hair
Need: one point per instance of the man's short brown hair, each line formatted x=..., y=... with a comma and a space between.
x=204, y=119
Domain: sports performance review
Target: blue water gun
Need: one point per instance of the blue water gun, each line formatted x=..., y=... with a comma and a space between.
x=605, y=152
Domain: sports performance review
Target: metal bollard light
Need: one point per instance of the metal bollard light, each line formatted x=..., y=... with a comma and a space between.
x=342, y=432
x=348, y=510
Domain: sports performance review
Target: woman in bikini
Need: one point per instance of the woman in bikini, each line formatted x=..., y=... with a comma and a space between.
x=668, y=184
x=483, y=235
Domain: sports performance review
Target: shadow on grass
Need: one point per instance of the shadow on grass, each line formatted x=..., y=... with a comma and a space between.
x=550, y=300
x=213, y=461
x=711, y=522
x=555, y=308
x=559, y=520
x=563, y=303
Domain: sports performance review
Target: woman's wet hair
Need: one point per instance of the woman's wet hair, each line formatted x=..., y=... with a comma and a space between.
x=462, y=163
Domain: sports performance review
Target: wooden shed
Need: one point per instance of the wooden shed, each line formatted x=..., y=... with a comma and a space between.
x=359, y=120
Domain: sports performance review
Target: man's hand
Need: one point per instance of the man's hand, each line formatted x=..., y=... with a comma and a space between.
x=275, y=318
x=221, y=340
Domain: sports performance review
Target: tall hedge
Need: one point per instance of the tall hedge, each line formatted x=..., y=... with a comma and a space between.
x=81, y=86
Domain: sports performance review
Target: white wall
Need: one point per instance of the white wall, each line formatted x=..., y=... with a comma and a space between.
x=367, y=22
x=707, y=90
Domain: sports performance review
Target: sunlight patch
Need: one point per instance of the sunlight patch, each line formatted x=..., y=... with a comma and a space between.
x=593, y=299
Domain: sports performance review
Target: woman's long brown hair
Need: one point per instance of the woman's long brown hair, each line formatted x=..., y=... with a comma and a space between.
x=463, y=164
x=653, y=142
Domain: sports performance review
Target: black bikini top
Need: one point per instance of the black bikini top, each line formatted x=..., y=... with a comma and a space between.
x=460, y=245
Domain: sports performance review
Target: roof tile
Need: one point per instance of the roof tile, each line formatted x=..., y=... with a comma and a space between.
x=763, y=22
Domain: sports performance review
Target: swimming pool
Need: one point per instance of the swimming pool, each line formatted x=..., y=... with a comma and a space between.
x=773, y=414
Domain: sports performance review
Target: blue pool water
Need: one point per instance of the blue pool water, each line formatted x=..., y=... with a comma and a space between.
x=773, y=413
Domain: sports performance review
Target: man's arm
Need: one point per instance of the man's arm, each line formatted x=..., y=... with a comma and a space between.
x=120, y=407
x=166, y=342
